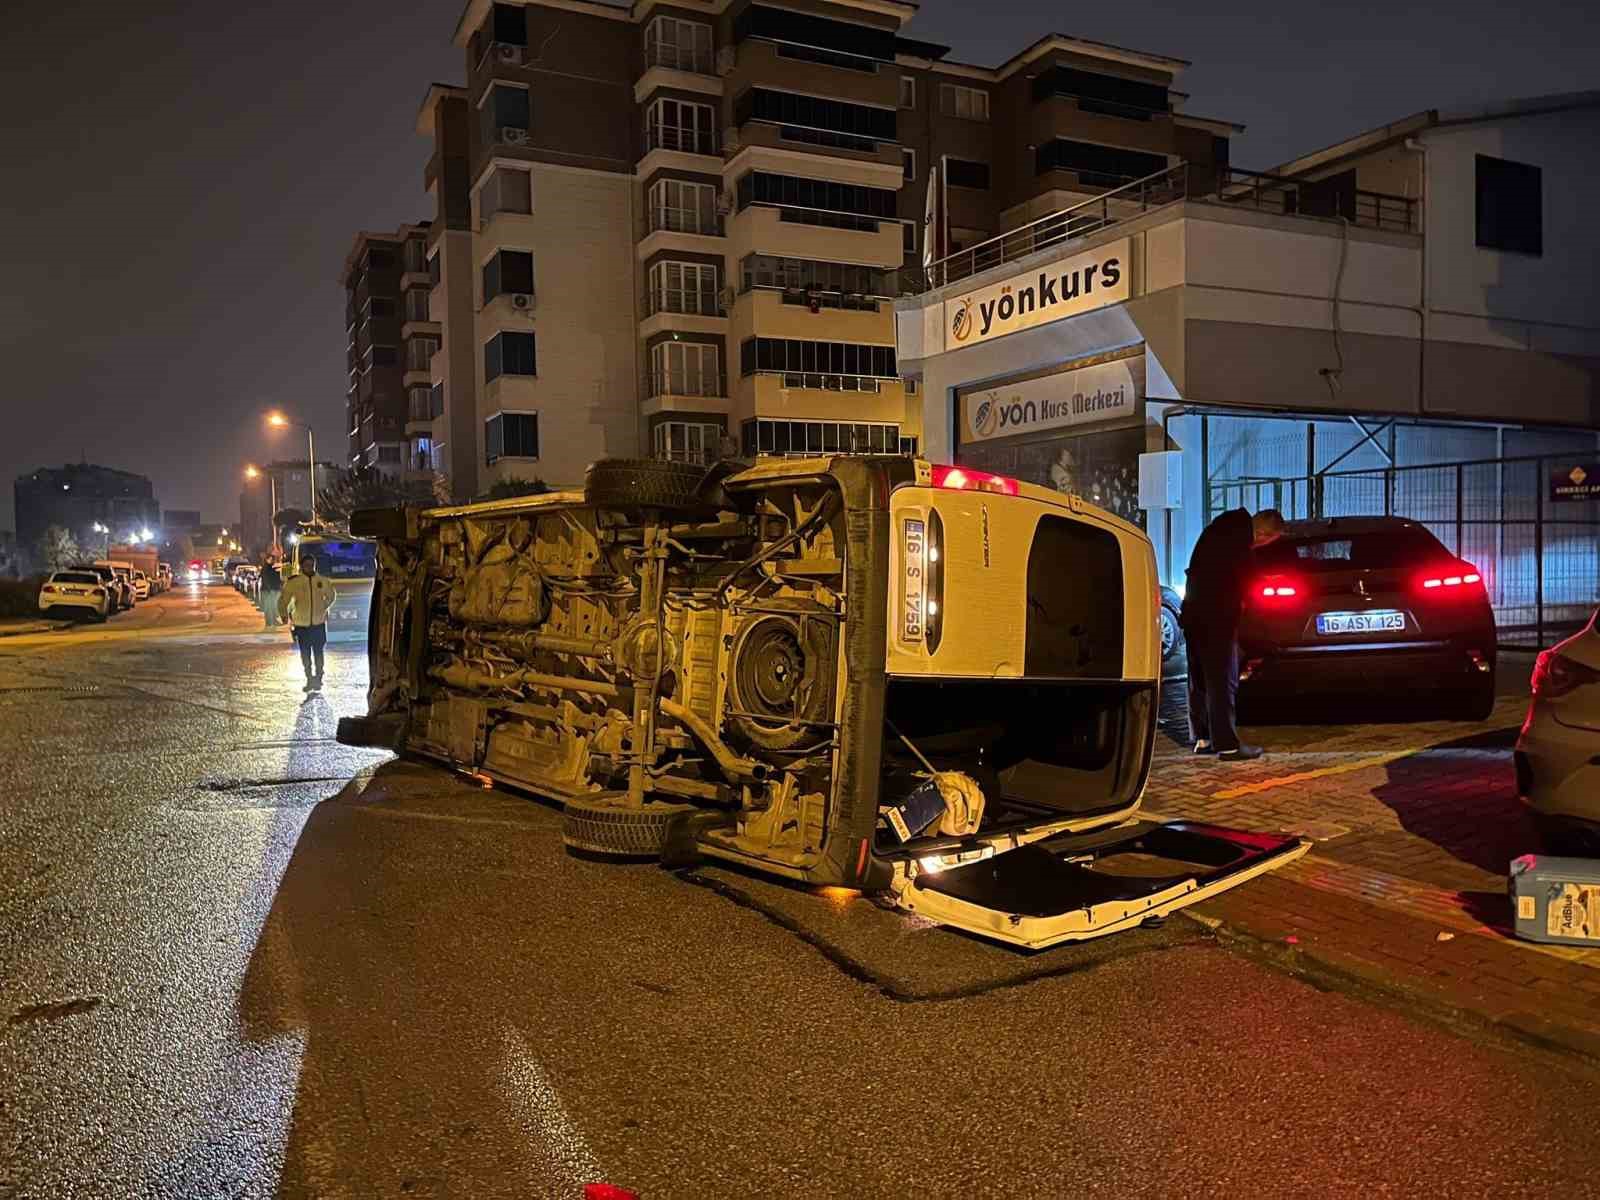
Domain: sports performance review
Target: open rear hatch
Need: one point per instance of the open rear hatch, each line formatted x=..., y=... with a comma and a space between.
x=1072, y=887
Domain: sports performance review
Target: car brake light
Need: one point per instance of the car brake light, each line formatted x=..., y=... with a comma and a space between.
x=961, y=479
x=1555, y=675
x=50, y=588
x=1274, y=590
x=1456, y=577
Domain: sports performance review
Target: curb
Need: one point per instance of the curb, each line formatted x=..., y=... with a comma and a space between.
x=1328, y=974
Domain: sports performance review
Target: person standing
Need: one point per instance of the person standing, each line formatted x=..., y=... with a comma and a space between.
x=271, y=587
x=1219, y=571
x=304, y=603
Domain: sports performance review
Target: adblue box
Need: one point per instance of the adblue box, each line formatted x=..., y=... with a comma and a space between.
x=1556, y=899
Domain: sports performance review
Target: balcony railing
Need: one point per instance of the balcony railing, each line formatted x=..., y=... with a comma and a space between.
x=706, y=384
x=1119, y=204
x=698, y=59
x=701, y=302
x=659, y=218
x=687, y=141
x=1316, y=198
x=828, y=219
x=828, y=383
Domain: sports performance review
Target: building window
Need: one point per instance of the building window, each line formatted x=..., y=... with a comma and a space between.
x=1510, y=206
x=685, y=369
x=836, y=366
x=389, y=455
x=763, y=436
x=1096, y=165
x=908, y=237
x=509, y=271
x=506, y=190
x=416, y=256
x=911, y=387
x=684, y=287
x=908, y=163
x=417, y=404
x=416, y=304
x=970, y=104
x=511, y=24
x=436, y=401
x=680, y=45
x=509, y=353
x=679, y=125
x=817, y=119
x=379, y=258
x=908, y=447
x=422, y=454
x=420, y=352
x=511, y=435
x=1104, y=94
x=683, y=207
x=505, y=107
x=433, y=269
x=384, y=356
x=833, y=283
x=380, y=306
x=817, y=195
x=961, y=172
x=687, y=441
x=908, y=91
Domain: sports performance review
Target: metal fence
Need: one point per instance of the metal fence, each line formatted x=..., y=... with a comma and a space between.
x=1540, y=558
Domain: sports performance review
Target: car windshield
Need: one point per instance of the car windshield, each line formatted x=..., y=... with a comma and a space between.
x=342, y=560
x=1401, y=546
x=74, y=577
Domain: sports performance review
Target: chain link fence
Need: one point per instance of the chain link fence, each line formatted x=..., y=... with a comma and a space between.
x=1540, y=557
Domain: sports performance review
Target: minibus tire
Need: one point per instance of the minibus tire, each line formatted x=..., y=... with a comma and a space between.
x=645, y=483
x=616, y=832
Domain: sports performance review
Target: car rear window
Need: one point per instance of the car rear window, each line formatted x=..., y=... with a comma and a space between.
x=74, y=577
x=1402, y=546
x=1075, y=617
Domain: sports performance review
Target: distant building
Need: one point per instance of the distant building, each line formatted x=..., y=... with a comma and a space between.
x=391, y=343
x=180, y=520
x=78, y=496
x=291, y=480
x=8, y=553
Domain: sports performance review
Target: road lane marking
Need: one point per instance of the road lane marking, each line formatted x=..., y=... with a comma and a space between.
x=1263, y=785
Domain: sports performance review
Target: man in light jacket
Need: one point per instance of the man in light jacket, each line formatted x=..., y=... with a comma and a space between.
x=304, y=604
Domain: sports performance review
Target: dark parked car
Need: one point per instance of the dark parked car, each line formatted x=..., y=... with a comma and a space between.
x=1174, y=658
x=1370, y=607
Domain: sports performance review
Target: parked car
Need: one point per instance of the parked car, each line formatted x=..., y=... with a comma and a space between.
x=247, y=578
x=77, y=593
x=1174, y=656
x=123, y=574
x=1558, y=752
x=1366, y=606
x=764, y=665
x=141, y=585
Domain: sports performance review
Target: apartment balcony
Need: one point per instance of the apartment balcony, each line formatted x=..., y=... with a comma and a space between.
x=760, y=63
x=848, y=147
x=681, y=68
x=670, y=147
x=692, y=229
x=422, y=328
x=684, y=391
x=814, y=316
x=810, y=233
x=820, y=397
x=685, y=310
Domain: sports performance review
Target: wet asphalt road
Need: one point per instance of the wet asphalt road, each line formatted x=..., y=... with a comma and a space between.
x=237, y=959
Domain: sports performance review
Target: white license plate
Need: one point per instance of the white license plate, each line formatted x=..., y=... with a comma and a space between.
x=913, y=590
x=347, y=614
x=1377, y=620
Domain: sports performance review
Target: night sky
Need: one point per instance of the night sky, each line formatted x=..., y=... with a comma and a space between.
x=180, y=183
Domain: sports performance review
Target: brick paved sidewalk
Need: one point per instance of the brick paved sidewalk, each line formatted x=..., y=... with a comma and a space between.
x=1404, y=890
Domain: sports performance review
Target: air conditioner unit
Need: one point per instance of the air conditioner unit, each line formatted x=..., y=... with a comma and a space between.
x=726, y=58
x=507, y=53
x=512, y=136
x=522, y=301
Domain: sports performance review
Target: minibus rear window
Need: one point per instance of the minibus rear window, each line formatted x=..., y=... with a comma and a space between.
x=1075, y=611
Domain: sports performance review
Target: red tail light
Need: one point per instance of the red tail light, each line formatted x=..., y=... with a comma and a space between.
x=1555, y=675
x=50, y=588
x=1456, y=579
x=1275, y=589
x=961, y=479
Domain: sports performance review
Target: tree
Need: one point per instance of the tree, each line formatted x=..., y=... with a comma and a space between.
x=367, y=488
x=508, y=489
x=58, y=549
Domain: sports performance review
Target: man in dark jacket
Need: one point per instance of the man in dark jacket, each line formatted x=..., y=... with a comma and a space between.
x=271, y=587
x=1219, y=571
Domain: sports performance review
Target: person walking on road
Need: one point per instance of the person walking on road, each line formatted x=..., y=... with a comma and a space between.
x=271, y=587
x=1219, y=570
x=304, y=603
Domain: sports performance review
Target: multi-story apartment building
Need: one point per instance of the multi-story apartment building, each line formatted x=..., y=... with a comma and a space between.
x=78, y=497
x=683, y=226
x=390, y=350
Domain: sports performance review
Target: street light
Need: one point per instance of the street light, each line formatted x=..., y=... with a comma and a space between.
x=278, y=421
x=105, y=529
x=254, y=472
